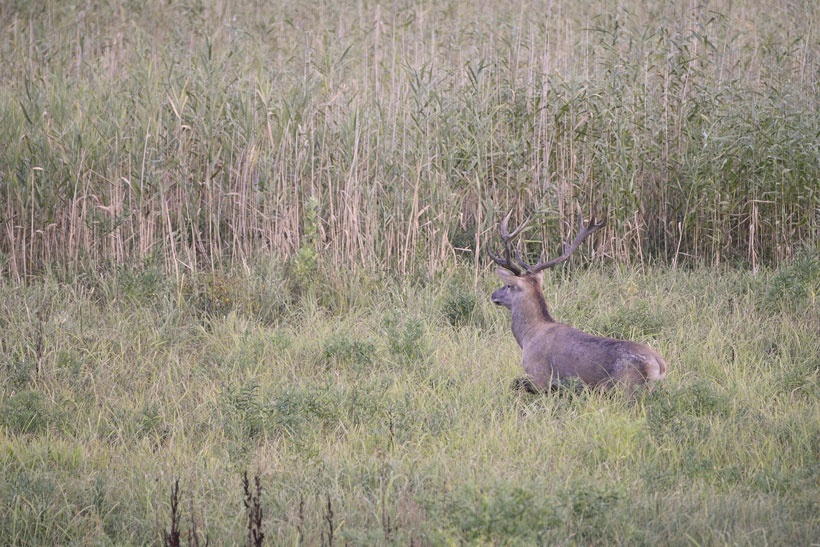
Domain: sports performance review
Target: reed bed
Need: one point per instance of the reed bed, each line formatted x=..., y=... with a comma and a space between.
x=190, y=135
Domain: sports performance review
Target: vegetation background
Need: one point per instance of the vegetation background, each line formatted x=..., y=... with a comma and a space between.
x=193, y=133
x=248, y=236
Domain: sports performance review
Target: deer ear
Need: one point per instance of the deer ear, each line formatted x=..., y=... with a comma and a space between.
x=506, y=276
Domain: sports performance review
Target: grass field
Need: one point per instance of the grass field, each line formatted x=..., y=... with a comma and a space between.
x=247, y=237
x=393, y=401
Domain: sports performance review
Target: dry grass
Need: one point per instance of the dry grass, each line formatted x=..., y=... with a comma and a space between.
x=190, y=134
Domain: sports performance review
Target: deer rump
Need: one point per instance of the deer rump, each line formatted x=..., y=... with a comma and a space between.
x=561, y=353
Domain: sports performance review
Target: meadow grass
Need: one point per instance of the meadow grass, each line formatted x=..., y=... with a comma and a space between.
x=392, y=401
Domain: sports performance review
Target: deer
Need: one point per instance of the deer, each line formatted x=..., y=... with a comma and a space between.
x=554, y=354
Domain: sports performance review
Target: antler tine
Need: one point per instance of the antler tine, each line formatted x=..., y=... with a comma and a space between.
x=506, y=238
x=504, y=263
x=504, y=233
x=524, y=265
x=584, y=231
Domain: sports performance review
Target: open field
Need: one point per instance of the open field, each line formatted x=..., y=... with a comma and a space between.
x=393, y=400
x=246, y=236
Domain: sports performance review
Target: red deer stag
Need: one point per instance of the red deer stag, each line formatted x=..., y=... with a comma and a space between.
x=554, y=353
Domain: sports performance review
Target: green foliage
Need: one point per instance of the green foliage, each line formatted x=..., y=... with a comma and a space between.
x=142, y=284
x=69, y=362
x=802, y=374
x=591, y=509
x=306, y=261
x=589, y=501
x=405, y=337
x=19, y=371
x=248, y=415
x=289, y=410
x=796, y=285
x=343, y=350
x=35, y=494
x=781, y=480
x=512, y=514
x=149, y=422
x=459, y=308
x=504, y=514
x=26, y=412
x=211, y=295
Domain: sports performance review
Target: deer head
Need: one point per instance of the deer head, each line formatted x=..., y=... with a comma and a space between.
x=522, y=291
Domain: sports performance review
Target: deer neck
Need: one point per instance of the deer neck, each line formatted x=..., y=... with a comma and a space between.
x=528, y=316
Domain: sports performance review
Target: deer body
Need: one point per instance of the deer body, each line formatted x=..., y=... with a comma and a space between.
x=554, y=352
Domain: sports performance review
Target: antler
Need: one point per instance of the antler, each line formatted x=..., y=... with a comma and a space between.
x=506, y=238
x=583, y=232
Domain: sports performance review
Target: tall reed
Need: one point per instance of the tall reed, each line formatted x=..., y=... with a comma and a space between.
x=193, y=133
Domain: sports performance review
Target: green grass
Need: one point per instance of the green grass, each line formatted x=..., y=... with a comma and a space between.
x=117, y=383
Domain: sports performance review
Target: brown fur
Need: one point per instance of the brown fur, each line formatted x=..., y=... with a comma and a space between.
x=553, y=352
